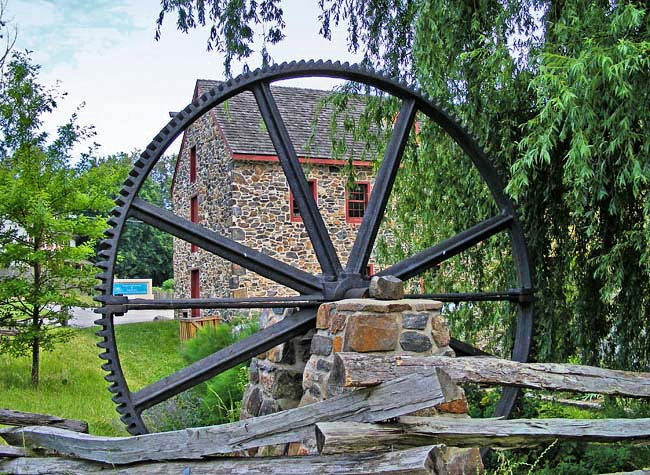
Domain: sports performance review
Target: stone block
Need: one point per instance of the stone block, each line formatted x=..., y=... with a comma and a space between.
x=253, y=376
x=269, y=406
x=323, y=317
x=337, y=322
x=369, y=332
x=415, y=321
x=283, y=354
x=321, y=345
x=372, y=305
x=337, y=343
x=287, y=385
x=253, y=402
x=386, y=287
x=323, y=365
x=414, y=341
x=440, y=331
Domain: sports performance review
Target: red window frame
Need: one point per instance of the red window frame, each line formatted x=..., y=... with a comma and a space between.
x=195, y=289
x=370, y=270
x=294, y=213
x=194, y=216
x=348, y=201
x=193, y=164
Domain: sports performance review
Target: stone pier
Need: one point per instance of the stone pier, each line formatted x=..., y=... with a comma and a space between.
x=298, y=372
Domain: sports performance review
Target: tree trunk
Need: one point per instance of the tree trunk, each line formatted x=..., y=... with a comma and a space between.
x=36, y=322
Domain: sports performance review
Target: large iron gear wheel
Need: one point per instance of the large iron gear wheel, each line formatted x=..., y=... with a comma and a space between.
x=335, y=282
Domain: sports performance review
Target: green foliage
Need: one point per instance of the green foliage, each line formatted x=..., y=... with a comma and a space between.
x=556, y=94
x=567, y=458
x=168, y=285
x=218, y=400
x=50, y=216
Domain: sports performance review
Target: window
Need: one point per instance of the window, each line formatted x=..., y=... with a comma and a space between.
x=194, y=215
x=293, y=204
x=356, y=201
x=195, y=290
x=193, y=164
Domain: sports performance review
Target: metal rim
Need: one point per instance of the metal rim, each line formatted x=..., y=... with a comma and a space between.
x=335, y=282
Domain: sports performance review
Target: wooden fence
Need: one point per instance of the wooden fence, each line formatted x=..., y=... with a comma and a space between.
x=346, y=428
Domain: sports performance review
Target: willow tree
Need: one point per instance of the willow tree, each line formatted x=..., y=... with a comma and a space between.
x=557, y=93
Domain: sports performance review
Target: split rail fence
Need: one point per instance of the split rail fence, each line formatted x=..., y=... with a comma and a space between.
x=367, y=430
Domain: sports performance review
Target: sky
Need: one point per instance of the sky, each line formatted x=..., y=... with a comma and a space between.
x=104, y=55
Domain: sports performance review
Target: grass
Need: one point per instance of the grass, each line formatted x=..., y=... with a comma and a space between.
x=72, y=383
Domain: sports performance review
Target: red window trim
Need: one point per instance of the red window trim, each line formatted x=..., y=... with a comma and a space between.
x=194, y=215
x=193, y=164
x=348, y=218
x=314, y=191
x=195, y=289
x=370, y=270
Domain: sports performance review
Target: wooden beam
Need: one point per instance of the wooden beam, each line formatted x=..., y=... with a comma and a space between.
x=19, y=418
x=418, y=461
x=340, y=437
x=391, y=399
x=11, y=452
x=362, y=370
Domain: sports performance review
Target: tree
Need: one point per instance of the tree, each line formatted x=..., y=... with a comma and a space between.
x=556, y=92
x=46, y=206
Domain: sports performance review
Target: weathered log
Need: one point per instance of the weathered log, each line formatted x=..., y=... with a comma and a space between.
x=18, y=418
x=11, y=452
x=386, y=401
x=362, y=370
x=417, y=461
x=340, y=437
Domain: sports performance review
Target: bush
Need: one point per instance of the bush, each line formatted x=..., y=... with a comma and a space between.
x=168, y=285
x=220, y=396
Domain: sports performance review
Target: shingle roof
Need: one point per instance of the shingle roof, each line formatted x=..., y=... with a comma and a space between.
x=242, y=124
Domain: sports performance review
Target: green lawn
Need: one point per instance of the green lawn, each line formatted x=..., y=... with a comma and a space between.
x=72, y=382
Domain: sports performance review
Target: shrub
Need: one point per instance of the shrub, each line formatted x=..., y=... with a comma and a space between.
x=168, y=285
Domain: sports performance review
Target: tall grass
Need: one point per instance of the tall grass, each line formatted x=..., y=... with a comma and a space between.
x=72, y=382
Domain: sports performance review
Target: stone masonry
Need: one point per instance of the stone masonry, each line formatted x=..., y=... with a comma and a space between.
x=397, y=327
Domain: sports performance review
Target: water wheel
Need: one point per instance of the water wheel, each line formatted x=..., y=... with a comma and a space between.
x=335, y=282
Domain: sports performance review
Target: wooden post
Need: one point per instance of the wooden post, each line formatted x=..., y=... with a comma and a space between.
x=339, y=437
x=362, y=370
x=391, y=399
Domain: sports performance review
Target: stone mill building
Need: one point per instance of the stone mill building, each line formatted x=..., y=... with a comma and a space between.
x=228, y=178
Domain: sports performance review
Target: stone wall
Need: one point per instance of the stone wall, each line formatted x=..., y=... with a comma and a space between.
x=261, y=219
x=213, y=189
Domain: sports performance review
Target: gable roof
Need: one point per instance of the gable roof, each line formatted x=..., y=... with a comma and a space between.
x=243, y=128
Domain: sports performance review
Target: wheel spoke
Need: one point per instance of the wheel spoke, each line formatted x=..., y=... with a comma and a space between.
x=465, y=349
x=119, y=304
x=311, y=217
x=292, y=325
x=448, y=248
x=374, y=213
x=514, y=295
x=223, y=247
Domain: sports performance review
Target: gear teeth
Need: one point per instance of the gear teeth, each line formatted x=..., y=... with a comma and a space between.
x=103, y=344
x=104, y=254
x=118, y=398
x=116, y=211
x=129, y=181
x=158, y=138
x=107, y=367
x=109, y=233
x=106, y=244
x=112, y=222
x=103, y=333
x=101, y=288
x=102, y=264
x=103, y=276
x=106, y=356
x=126, y=191
x=110, y=378
x=122, y=409
x=100, y=321
x=134, y=173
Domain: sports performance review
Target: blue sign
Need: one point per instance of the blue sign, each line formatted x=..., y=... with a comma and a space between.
x=130, y=288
